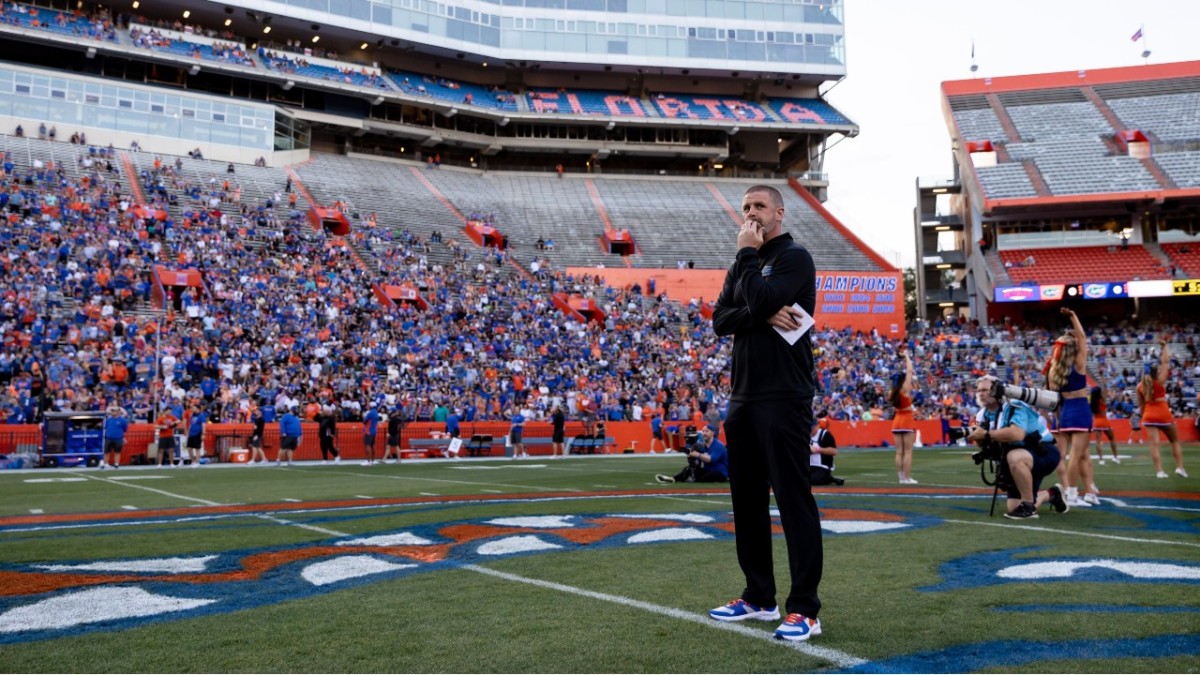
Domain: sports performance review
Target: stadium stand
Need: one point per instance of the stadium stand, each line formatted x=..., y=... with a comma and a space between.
x=287, y=314
x=1186, y=257
x=96, y=27
x=976, y=120
x=174, y=43
x=1037, y=122
x=586, y=102
x=1082, y=166
x=453, y=91
x=1077, y=265
x=305, y=66
x=709, y=108
x=1005, y=181
x=1170, y=115
x=1182, y=167
x=806, y=110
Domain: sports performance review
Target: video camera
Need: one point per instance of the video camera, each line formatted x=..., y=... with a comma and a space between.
x=691, y=443
x=958, y=433
x=992, y=458
x=1042, y=399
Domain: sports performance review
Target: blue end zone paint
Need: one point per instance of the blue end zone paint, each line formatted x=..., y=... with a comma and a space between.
x=981, y=569
x=1100, y=609
x=1015, y=654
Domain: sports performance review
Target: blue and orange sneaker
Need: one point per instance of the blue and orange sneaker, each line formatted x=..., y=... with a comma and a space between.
x=740, y=610
x=798, y=627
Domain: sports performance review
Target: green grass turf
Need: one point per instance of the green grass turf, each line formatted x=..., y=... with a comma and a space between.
x=878, y=605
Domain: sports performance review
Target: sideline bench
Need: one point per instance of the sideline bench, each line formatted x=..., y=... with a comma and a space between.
x=487, y=445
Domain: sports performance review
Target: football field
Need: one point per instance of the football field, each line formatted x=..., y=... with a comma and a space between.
x=580, y=565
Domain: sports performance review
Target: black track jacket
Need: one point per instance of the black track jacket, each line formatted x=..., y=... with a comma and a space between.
x=758, y=284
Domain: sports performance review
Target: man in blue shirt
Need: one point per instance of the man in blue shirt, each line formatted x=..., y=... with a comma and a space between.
x=1030, y=454
x=708, y=460
x=289, y=437
x=370, y=427
x=195, y=434
x=656, y=432
x=115, y=426
x=516, y=434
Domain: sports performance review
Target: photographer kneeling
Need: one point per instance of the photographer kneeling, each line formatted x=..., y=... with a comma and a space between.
x=1010, y=435
x=708, y=459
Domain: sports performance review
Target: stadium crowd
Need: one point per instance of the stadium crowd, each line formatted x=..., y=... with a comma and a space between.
x=288, y=316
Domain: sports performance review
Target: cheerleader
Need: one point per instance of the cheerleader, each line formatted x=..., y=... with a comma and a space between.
x=1065, y=372
x=904, y=429
x=1156, y=414
x=1101, y=425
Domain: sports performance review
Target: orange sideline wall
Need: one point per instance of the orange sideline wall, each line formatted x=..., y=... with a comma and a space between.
x=634, y=435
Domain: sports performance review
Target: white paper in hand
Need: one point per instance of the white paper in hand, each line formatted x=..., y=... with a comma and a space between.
x=806, y=322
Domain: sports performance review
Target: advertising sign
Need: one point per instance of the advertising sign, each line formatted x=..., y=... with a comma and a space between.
x=861, y=301
x=1055, y=292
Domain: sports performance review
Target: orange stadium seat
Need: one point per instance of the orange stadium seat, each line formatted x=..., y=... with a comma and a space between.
x=1186, y=257
x=1076, y=265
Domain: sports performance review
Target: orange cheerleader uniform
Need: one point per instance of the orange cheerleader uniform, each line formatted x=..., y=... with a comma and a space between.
x=1156, y=412
x=903, y=422
x=1100, y=419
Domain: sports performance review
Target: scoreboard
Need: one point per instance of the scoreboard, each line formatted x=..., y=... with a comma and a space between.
x=1106, y=290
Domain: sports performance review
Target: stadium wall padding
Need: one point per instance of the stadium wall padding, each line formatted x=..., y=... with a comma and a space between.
x=634, y=435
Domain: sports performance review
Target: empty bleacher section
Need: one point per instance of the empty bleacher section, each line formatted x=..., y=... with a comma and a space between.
x=1005, y=181
x=530, y=207
x=1186, y=257
x=1054, y=120
x=400, y=198
x=975, y=119
x=1157, y=107
x=1082, y=165
x=1079, y=265
x=671, y=219
x=1182, y=167
x=1079, y=135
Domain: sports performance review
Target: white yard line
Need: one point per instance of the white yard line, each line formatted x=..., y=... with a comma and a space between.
x=155, y=490
x=540, y=488
x=1092, y=535
x=834, y=656
x=303, y=526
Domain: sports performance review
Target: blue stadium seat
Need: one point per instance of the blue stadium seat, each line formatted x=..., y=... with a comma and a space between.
x=585, y=102
x=732, y=108
x=453, y=91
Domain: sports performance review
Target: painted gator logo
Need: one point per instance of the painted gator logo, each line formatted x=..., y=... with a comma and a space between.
x=44, y=601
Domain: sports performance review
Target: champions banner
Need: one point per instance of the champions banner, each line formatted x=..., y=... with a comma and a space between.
x=861, y=301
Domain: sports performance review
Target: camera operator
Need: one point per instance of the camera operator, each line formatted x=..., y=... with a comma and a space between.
x=823, y=450
x=1009, y=433
x=708, y=460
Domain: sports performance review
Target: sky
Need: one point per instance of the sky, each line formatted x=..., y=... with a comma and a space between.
x=898, y=53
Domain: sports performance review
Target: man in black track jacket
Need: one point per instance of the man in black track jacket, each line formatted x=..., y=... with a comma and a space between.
x=770, y=415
